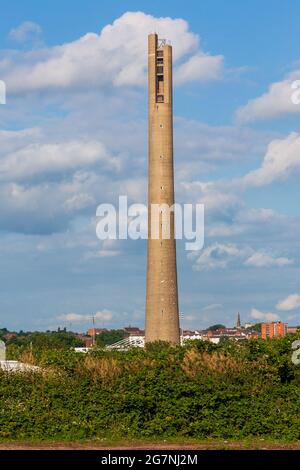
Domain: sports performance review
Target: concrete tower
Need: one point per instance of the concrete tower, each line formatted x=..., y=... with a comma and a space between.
x=162, y=319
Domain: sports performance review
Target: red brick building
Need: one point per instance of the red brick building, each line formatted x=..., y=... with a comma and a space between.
x=95, y=331
x=276, y=328
x=133, y=330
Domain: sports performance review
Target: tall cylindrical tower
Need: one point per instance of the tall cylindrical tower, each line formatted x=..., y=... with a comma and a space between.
x=162, y=318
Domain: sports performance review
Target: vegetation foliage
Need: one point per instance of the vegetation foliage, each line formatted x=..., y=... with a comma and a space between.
x=52, y=339
x=109, y=337
x=227, y=391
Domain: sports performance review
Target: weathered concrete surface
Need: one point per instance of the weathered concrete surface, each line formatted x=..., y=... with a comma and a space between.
x=162, y=318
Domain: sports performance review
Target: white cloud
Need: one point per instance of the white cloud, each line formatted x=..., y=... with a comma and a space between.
x=199, y=67
x=289, y=303
x=276, y=102
x=263, y=316
x=226, y=215
x=25, y=31
x=117, y=56
x=11, y=141
x=78, y=318
x=47, y=206
x=108, y=249
x=216, y=144
x=221, y=256
x=212, y=195
x=217, y=255
x=261, y=259
x=259, y=215
x=41, y=158
x=78, y=202
x=282, y=157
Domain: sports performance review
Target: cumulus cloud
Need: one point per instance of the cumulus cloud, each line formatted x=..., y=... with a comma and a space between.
x=277, y=101
x=46, y=179
x=116, y=56
x=217, y=255
x=221, y=256
x=53, y=173
x=261, y=260
x=108, y=249
x=212, y=195
x=43, y=158
x=289, y=303
x=47, y=206
x=226, y=214
x=212, y=144
x=263, y=316
x=41, y=169
x=25, y=31
x=282, y=157
x=78, y=318
x=199, y=67
x=12, y=141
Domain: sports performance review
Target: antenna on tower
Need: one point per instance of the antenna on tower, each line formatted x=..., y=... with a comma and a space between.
x=161, y=43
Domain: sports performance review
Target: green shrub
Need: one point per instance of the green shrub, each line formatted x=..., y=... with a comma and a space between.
x=228, y=391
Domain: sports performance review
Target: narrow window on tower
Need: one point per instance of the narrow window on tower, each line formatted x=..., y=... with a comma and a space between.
x=160, y=77
x=160, y=89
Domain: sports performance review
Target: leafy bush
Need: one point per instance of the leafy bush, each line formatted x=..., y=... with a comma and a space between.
x=233, y=390
x=109, y=337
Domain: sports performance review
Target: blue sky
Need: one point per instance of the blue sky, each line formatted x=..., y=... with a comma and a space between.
x=73, y=134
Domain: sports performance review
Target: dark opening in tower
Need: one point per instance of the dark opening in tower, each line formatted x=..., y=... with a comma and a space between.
x=160, y=76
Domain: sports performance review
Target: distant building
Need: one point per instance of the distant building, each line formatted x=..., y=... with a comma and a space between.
x=253, y=334
x=134, y=331
x=276, y=328
x=82, y=350
x=188, y=335
x=237, y=333
x=87, y=340
x=134, y=336
x=292, y=329
x=95, y=331
x=9, y=335
x=238, y=321
x=131, y=341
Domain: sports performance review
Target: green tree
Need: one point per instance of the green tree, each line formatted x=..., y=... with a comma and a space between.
x=216, y=327
x=50, y=340
x=255, y=327
x=109, y=337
